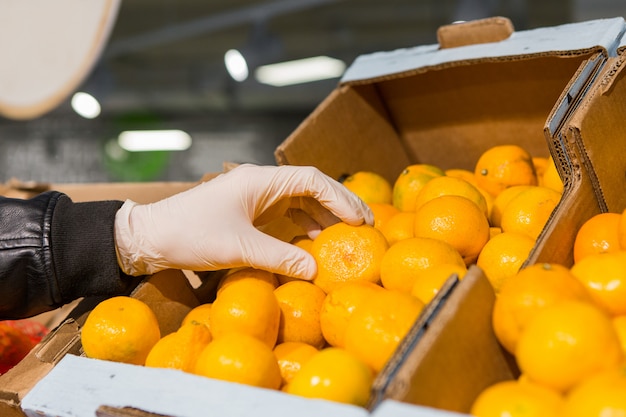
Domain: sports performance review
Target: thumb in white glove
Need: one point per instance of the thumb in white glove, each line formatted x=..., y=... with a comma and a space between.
x=214, y=225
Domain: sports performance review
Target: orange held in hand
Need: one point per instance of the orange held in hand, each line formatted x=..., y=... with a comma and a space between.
x=120, y=329
x=348, y=253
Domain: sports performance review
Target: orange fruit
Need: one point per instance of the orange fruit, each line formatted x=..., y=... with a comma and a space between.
x=199, y=314
x=604, y=276
x=512, y=398
x=455, y=220
x=369, y=186
x=501, y=200
x=503, y=255
x=405, y=260
x=567, y=342
x=503, y=166
x=291, y=356
x=493, y=231
x=300, y=305
x=348, y=253
x=467, y=175
x=248, y=273
x=621, y=231
x=180, y=349
x=382, y=213
x=619, y=323
x=464, y=174
x=429, y=281
x=551, y=177
x=540, y=163
x=399, y=227
x=247, y=306
x=239, y=357
x=529, y=211
x=376, y=329
x=120, y=329
x=598, y=234
x=527, y=292
x=333, y=374
x=601, y=395
x=446, y=185
x=340, y=304
x=409, y=182
x=303, y=242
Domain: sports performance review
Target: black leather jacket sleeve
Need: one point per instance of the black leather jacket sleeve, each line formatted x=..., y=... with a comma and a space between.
x=53, y=251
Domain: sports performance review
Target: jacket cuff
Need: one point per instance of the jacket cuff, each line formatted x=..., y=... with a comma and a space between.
x=83, y=250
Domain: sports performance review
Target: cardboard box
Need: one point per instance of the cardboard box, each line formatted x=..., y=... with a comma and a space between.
x=551, y=89
x=445, y=106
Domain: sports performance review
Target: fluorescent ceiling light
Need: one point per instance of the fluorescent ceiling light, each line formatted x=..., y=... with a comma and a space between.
x=154, y=140
x=236, y=65
x=300, y=71
x=85, y=105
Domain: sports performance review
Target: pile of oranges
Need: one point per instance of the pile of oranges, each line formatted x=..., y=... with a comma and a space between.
x=331, y=337
x=566, y=328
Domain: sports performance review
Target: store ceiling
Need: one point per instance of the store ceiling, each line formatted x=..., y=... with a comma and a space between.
x=167, y=55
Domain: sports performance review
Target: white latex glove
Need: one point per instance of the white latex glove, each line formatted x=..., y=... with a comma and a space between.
x=215, y=224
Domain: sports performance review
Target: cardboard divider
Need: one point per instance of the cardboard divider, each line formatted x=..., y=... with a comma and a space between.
x=596, y=134
x=451, y=354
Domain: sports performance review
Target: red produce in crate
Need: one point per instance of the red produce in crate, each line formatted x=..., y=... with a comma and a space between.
x=17, y=338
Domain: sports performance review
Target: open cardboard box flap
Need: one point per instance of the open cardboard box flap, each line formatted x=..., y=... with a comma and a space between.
x=445, y=106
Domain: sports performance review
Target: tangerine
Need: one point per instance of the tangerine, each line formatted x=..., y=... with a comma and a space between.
x=567, y=342
x=348, y=253
x=120, y=329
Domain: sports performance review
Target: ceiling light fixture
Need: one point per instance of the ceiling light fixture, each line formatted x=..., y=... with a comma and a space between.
x=85, y=105
x=154, y=140
x=300, y=71
x=236, y=65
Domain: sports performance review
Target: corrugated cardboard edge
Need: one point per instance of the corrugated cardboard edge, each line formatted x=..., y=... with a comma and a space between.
x=573, y=39
x=491, y=29
x=19, y=380
x=596, y=132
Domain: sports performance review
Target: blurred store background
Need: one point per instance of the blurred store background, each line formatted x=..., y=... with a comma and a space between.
x=163, y=69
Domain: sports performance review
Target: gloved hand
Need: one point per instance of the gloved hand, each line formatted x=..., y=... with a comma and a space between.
x=214, y=225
